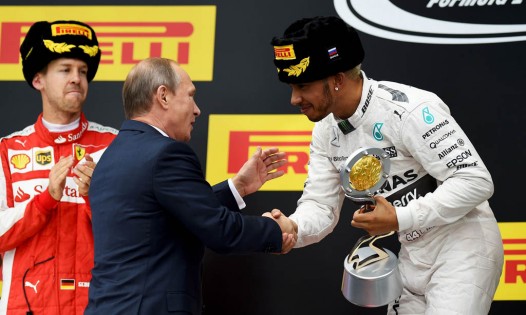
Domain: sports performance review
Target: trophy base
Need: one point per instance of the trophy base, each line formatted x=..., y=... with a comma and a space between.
x=373, y=285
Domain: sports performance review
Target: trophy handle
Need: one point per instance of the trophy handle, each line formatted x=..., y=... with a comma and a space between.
x=369, y=240
x=368, y=202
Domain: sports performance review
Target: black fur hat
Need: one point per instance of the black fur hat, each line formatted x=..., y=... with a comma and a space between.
x=314, y=48
x=47, y=41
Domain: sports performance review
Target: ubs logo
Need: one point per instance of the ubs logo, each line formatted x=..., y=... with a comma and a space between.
x=391, y=151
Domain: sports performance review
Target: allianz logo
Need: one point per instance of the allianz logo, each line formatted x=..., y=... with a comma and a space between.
x=430, y=21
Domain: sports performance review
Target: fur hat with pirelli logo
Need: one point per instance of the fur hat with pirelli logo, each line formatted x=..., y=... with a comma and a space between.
x=314, y=48
x=47, y=41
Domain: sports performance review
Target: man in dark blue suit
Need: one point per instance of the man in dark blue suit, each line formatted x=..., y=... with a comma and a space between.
x=153, y=211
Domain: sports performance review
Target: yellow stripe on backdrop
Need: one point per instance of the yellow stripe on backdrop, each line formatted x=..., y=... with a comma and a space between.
x=126, y=34
x=512, y=284
x=232, y=139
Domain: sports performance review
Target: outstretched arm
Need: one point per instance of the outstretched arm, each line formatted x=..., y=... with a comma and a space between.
x=260, y=168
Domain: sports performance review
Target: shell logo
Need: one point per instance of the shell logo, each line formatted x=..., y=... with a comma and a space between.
x=20, y=161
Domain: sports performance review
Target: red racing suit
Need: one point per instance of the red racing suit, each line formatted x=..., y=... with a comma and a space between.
x=47, y=246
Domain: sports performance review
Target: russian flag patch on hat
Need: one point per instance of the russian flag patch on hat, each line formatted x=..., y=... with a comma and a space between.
x=333, y=53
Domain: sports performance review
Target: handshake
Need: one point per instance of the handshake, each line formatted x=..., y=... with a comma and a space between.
x=288, y=227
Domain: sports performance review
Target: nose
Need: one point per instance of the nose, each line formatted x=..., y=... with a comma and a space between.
x=75, y=76
x=295, y=97
x=197, y=111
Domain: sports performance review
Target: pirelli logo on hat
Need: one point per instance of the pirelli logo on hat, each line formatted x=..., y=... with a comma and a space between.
x=125, y=34
x=70, y=29
x=284, y=52
x=232, y=139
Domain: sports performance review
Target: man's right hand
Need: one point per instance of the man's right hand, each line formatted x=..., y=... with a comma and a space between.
x=288, y=227
x=57, y=177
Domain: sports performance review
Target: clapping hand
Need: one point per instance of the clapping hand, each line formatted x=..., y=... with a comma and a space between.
x=57, y=177
x=83, y=173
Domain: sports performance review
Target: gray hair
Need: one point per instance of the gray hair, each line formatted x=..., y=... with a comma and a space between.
x=142, y=83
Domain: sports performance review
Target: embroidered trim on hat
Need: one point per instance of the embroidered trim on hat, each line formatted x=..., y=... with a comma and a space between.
x=298, y=69
x=28, y=53
x=284, y=52
x=57, y=47
x=91, y=51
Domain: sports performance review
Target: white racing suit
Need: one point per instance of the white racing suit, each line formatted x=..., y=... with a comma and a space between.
x=451, y=252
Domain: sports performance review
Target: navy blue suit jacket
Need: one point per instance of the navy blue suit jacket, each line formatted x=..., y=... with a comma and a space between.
x=153, y=213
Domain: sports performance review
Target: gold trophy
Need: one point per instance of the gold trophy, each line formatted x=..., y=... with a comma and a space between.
x=371, y=277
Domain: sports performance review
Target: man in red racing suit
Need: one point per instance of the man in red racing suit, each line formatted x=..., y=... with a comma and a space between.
x=45, y=221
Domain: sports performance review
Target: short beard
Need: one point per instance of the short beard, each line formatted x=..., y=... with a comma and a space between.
x=328, y=100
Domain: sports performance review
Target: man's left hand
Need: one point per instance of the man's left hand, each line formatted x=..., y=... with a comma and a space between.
x=83, y=173
x=259, y=169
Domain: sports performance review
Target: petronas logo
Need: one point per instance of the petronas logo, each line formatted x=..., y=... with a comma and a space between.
x=377, y=134
x=428, y=117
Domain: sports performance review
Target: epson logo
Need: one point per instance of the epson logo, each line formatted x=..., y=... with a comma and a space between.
x=459, y=158
x=438, y=21
x=434, y=144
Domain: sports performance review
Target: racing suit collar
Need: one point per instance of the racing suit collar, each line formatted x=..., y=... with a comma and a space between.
x=61, y=137
x=369, y=86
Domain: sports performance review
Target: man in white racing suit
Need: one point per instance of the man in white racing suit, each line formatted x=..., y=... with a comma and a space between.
x=451, y=254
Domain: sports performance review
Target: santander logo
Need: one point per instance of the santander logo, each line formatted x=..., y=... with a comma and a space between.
x=437, y=21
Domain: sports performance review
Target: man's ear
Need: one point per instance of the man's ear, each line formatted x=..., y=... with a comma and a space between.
x=161, y=95
x=37, y=81
x=339, y=80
